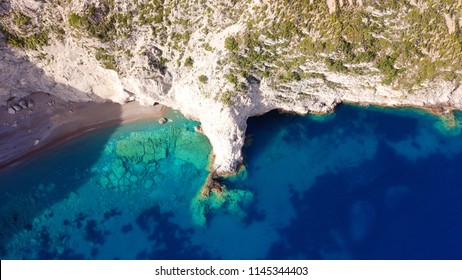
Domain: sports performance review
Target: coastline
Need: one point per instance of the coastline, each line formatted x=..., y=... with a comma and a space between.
x=52, y=121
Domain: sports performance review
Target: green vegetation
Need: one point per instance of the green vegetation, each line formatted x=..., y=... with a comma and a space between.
x=188, y=62
x=151, y=12
x=76, y=21
x=385, y=65
x=231, y=43
x=24, y=39
x=231, y=78
x=207, y=47
x=102, y=22
x=128, y=53
x=95, y=22
x=32, y=42
x=227, y=98
x=367, y=56
x=335, y=65
x=290, y=77
x=203, y=79
x=284, y=41
x=314, y=75
x=158, y=63
x=20, y=19
x=405, y=57
x=242, y=87
x=107, y=60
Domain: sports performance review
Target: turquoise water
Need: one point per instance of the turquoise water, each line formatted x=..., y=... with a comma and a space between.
x=362, y=183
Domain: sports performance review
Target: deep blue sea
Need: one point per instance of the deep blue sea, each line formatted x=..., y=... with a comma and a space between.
x=361, y=183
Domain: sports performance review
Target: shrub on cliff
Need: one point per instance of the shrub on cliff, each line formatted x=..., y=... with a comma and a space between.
x=386, y=66
x=231, y=43
x=188, y=62
x=335, y=65
x=75, y=20
x=203, y=79
x=32, y=42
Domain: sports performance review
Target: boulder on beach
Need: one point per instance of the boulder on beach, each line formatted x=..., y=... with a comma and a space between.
x=198, y=129
x=162, y=120
x=23, y=104
x=11, y=111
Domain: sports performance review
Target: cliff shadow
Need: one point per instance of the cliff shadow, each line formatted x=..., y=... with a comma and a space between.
x=43, y=173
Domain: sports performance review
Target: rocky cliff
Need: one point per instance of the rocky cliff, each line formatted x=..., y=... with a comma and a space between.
x=221, y=62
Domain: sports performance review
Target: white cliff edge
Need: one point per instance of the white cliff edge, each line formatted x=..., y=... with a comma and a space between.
x=72, y=73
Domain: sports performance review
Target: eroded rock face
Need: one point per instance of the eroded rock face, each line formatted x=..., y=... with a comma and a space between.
x=142, y=54
x=332, y=5
x=450, y=23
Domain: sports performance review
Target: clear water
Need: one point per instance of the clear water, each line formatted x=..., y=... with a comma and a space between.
x=363, y=183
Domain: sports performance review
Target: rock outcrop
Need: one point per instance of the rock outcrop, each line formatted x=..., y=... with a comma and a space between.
x=206, y=62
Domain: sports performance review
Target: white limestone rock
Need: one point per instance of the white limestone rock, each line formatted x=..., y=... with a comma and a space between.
x=71, y=71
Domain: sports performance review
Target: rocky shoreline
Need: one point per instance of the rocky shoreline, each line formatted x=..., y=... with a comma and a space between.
x=225, y=126
x=197, y=79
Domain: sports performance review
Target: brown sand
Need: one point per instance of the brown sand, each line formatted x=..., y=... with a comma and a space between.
x=52, y=121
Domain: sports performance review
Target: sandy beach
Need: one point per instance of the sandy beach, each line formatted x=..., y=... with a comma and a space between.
x=41, y=121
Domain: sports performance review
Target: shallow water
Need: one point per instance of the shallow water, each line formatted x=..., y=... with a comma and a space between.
x=363, y=183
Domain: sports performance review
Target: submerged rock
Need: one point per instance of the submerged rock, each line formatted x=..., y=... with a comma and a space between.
x=191, y=147
x=220, y=198
x=142, y=147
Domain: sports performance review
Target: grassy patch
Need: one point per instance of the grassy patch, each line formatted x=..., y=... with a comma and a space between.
x=231, y=43
x=231, y=78
x=207, y=47
x=20, y=19
x=290, y=77
x=97, y=22
x=107, y=60
x=32, y=42
x=203, y=79
x=227, y=98
x=386, y=66
x=335, y=65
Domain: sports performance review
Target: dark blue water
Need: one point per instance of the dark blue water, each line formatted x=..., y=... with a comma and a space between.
x=363, y=183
